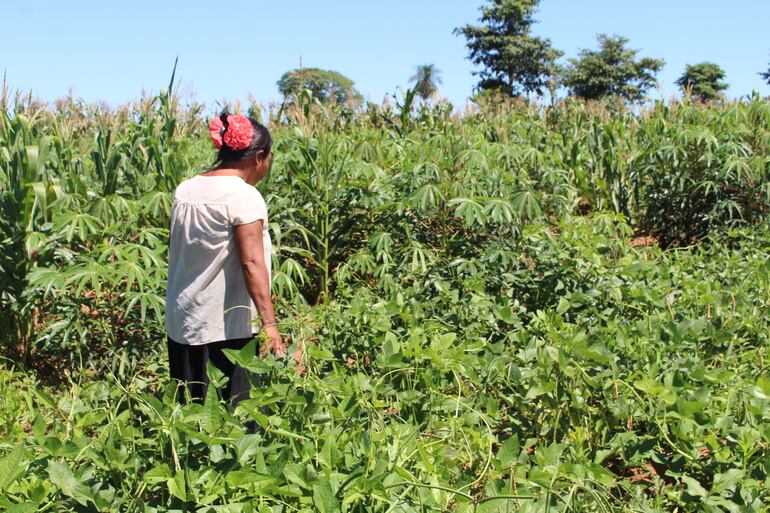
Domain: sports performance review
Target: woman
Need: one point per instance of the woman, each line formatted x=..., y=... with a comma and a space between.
x=219, y=262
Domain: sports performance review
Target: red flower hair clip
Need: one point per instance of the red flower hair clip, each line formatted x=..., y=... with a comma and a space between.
x=215, y=131
x=238, y=134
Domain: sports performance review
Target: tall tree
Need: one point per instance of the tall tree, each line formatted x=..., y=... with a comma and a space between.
x=612, y=70
x=513, y=60
x=704, y=81
x=326, y=85
x=426, y=80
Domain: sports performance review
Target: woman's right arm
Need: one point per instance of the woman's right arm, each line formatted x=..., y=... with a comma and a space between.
x=248, y=239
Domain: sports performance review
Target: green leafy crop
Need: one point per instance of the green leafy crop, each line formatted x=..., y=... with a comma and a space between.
x=501, y=311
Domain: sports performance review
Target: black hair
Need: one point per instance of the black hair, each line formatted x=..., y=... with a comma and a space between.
x=260, y=141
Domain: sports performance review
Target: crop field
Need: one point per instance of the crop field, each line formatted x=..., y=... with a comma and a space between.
x=521, y=308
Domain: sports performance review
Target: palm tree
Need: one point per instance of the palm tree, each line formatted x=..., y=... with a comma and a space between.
x=766, y=75
x=426, y=81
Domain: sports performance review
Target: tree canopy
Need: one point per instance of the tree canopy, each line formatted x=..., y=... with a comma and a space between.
x=513, y=60
x=766, y=74
x=612, y=70
x=704, y=81
x=326, y=85
x=426, y=80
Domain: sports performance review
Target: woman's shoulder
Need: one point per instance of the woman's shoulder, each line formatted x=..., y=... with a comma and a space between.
x=251, y=192
x=182, y=187
x=209, y=190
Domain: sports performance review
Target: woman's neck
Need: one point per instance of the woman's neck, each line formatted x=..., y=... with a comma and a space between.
x=242, y=170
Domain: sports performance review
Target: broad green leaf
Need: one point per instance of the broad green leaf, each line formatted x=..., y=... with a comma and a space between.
x=694, y=488
x=25, y=507
x=158, y=474
x=324, y=499
x=11, y=467
x=508, y=452
x=177, y=486
x=246, y=447
x=247, y=357
x=61, y=476
x=211, y=415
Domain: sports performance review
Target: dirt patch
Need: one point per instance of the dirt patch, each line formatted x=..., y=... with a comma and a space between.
x=643, y=241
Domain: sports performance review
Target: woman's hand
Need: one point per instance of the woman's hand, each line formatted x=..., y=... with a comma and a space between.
x=274, y=343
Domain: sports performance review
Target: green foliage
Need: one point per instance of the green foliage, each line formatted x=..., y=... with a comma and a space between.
x=426, y=80
x=566, y=372
x=483, y=326
x=703, y=81
x=703, y=175
x=612, y=70
x=326, y=85
x=766, y=75
x=84, y=225
x=513, y=60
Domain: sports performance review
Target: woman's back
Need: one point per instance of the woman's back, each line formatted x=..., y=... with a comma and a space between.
x=206, y=297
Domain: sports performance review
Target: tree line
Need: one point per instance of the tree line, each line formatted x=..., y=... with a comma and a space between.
x=513, y=62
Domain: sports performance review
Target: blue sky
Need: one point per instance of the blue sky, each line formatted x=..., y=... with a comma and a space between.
x=111, y=51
